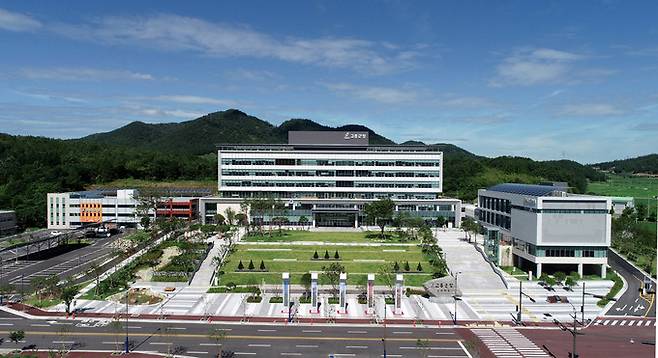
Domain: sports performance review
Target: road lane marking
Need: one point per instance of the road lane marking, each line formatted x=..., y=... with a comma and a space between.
x=244, y=353
x=267, y=330
x=614, y=323
x=161, y=343
x=246, y=337
x=39, y=325
x=63, y=342
x=196, y=352
x=356, y=347
x=306, y=346
x=311, y=331
x=291, y=354
x=115, y=343
x=402, y=332
x=6, y=324
x=444, y=333
x=464, y=348
x=260, y=345
x=357, y=332
x=177, y=328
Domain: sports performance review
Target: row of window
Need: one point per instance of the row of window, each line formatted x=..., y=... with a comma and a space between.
x=329, y=195
x=562, y=211
x=496, y=204
x=499, y=220
x=367, y=163
x=337, y=184
x=331, y=173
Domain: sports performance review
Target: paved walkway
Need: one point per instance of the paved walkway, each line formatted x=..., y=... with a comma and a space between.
x=476, y=273
x=207, y=269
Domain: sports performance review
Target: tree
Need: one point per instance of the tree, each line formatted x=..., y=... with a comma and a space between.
x=39, y=284
x=387, y=276
x=326, y=254
x=6, y=289
x=303, y=220
x=315, y=255
x=96, y=272
x=570, y=282
x=251, y=265
x=16, y=336
x=380, y=212
x=68, y=295
x=396, y=267
x=262, y=265
x=419, y=267
x=240, y=266
x=640, y=211
x=306, y=282
x=241, y=219
x=440, y=221
x=333, y=272
x=336, y=256
x=146, y=222
x=217, y=335
x=406, y=266
x=219, y=219
x=230, y=215
x=279, y=221
x=256, y=207
x=559, y=276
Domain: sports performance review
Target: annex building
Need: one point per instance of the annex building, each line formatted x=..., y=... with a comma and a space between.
x=326, y=177
x=547, y=228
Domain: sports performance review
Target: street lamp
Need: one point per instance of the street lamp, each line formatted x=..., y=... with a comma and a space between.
x=127, y=345
x=573, y=331
x=521, y=294
x=384, y=339
x=582, y=302
x=455, y=296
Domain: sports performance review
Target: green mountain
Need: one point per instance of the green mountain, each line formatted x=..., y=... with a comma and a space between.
x=30, y=167
x=642, y=164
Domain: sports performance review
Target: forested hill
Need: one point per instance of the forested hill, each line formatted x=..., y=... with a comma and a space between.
x=30, y=167
x=643, y=164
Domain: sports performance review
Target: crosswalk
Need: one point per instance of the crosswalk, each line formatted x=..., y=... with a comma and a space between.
x=619, y=322
x=13, y=266
x=508, y=343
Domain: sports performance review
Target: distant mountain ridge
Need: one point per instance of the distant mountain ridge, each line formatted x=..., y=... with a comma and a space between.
x=642, y=164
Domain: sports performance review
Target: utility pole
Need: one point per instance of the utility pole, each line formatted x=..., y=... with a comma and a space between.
x=582, y=306
x=384, y=339
x=518, y=316
x=127, y=346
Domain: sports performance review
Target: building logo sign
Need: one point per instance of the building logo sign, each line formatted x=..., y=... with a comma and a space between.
x=352, y=135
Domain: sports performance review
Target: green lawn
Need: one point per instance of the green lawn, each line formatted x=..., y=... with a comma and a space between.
x=618, y=185
x=300, y=235
x=298, y=259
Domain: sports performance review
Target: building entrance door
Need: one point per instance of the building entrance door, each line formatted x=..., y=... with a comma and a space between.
x=335, y=219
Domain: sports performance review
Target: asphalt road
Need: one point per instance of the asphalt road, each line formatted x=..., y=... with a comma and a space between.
x=631, y=303
x=193, y=339
x=20, y=272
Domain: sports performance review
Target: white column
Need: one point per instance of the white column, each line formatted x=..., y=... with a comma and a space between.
x=343, y=292
x=580, y=270
x=603, y=270
x=286, y=290
x=399, y=287
x=371, y=290
x=314, y=292
x=538, y=269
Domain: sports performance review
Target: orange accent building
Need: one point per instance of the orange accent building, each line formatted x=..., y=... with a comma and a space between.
x=91, y=212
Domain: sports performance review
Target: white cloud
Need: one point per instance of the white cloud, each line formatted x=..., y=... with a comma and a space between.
x=13, y=21
x=187, y=99
x=82, y=74
x=385, y=95
x=464, y=102
x=157, y=112
x=179, y=33
x=590, y=110
x=536, y=66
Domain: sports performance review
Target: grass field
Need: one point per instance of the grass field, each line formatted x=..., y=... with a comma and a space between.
x=295, y=235
x=138, y=183
x=298, y=259
x=617, y=185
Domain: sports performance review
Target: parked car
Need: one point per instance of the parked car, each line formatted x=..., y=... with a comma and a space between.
x=55, y=233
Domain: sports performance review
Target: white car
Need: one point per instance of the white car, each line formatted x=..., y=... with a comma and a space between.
x=55, y=233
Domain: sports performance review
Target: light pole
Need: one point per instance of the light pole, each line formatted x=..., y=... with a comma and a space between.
x=384, y=339
x=455, y=296
x=582, y=302
x=573, y=331
x=127, y=345
x=521, y=294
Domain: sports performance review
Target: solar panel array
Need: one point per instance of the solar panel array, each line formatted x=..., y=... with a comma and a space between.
x=524, y=189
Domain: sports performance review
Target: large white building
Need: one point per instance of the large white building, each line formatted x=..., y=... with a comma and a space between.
x=549, y=229
x=328, y=176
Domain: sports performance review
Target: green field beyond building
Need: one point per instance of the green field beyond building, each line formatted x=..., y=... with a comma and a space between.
x=294, y=253
x=640, y=188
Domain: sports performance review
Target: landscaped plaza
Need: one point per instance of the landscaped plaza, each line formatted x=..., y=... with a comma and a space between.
x=301, y=252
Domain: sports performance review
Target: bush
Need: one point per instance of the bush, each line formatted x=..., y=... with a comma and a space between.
x=251, y=265
x=336, y=256
x=240, y=266
x=570, y=281
x=560, y=276
x=277, y=299
x=326, y=255
x=406, y=266
x=396, y=267
x=254, y=299
x=419, y=267
x=262, y=265
x=315, y=255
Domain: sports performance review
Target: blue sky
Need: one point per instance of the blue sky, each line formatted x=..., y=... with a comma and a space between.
x=547, y=80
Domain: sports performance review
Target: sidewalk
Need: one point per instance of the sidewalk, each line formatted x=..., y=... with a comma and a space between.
x=206, y=272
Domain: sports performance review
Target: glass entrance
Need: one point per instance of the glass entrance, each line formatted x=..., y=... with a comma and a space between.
x=334, y=219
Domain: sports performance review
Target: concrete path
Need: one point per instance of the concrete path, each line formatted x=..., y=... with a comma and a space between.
x=207, y=269
x=476, y=273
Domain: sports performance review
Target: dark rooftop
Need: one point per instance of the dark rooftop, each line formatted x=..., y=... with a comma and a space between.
x=526, y=189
